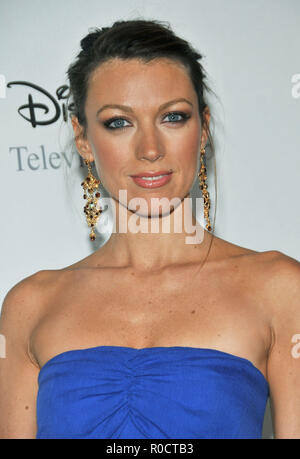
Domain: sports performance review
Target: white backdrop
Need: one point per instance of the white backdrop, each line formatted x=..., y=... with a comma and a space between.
x=251, y=51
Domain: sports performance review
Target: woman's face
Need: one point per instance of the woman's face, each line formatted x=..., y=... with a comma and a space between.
x=150, y=135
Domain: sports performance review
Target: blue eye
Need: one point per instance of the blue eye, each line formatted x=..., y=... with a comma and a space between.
x=116, y=120
x=172, y=114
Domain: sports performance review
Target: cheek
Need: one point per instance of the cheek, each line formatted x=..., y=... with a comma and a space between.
x=188, y=148
x=108, y=156
x=108, y=160
x=190, y=136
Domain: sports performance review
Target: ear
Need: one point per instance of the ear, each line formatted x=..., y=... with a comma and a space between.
x=82, y=143
x=204, y=135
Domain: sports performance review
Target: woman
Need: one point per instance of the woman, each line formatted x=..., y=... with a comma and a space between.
x=150, y=336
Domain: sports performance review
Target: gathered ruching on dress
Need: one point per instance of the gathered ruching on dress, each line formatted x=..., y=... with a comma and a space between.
x=159, y=392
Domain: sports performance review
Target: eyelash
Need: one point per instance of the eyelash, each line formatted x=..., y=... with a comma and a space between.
x=185, y=117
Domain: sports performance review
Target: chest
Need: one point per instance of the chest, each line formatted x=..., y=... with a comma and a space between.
x=122, y=309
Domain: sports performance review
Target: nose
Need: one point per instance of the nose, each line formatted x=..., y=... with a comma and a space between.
x=150, y=146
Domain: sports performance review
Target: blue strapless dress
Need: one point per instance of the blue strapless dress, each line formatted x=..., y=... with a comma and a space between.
x=157, y=392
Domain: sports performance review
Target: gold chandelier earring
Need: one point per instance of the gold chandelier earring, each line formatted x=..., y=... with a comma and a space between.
x=203, y=186
x=91, y=209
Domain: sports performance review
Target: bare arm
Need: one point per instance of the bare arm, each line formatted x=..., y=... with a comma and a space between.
x=18, y=373
x=284, y=357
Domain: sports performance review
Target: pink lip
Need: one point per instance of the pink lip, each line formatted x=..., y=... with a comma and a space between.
x=152, y=183
x=151, y=174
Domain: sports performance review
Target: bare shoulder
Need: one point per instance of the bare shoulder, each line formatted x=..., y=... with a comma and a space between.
x=270, y=270
x=283, y=265
x=230, y=252
x=23, y=290
x=24, y=298
x=276, y=278
x=28, y=289
x=273, y=279
x=280, y=294
x=19, y=371
x=23, y=304
x=282, y=282
x=273, y=263
x=277, y=271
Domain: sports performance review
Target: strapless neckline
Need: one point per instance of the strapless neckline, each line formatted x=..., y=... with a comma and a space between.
x=204, y=350
x=151, y=392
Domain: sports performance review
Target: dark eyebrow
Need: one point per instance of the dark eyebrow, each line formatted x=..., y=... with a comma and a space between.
x=130, y=110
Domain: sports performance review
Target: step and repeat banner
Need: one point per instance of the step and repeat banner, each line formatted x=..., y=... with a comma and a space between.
x=251, y=55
